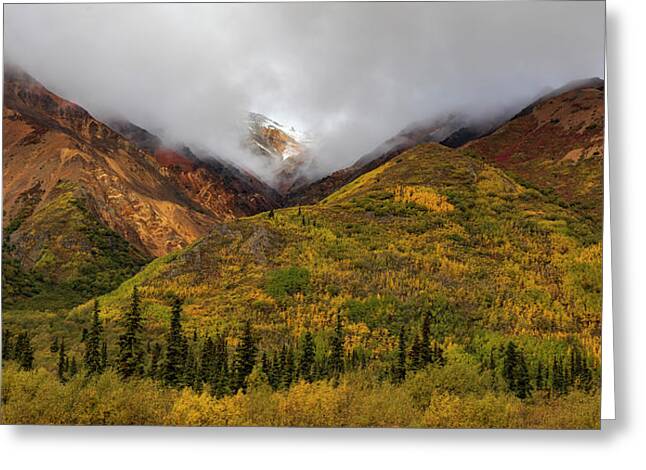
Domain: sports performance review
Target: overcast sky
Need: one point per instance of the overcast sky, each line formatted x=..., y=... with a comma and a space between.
x=351, y=74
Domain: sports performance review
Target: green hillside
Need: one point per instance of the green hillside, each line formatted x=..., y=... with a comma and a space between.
x=68, y=255
x=434, y=249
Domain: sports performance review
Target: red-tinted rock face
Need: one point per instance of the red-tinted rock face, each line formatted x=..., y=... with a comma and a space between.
x=157, y=203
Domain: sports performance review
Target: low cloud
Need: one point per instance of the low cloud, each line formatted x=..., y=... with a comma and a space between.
x=351, y=74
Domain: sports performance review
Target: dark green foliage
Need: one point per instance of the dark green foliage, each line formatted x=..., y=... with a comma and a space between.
x=7, y=345
x=523, y=388
x=399, y=370
x=510, y=363
x=23, y=352
x=559, y=385
x=284, y=282
x=176, y=348
x=515, y=371
x=62, y=363
x=245, y=357
x=131, y=354
x=540, y=380
x=53, y=348
x=306, y=363
x=93, y=340
x=337, y=355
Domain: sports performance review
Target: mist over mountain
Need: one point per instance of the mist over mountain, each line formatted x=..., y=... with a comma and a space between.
x=349, y=74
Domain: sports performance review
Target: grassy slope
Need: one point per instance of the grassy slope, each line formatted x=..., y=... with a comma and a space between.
x=556, y=147
x=73, y=256
x=432, y=230
x=503, y=259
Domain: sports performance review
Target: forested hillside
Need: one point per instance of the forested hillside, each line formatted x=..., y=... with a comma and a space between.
x=435, y=290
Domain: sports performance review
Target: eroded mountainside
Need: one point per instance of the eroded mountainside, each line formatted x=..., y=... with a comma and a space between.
x=82, y=202
x=556, y=145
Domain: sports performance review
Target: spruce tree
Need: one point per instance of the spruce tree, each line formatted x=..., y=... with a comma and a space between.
x=7, y=345
x=307, y=358
x=131, y=354
x=175, y=348
x=414, y=355
x=523, y=387
x=425, y=346
x=93, y=344
x=558, y=385
x=399, y=372
x=539, y=376
x=62, y=361
x=336, y=349
x=288, y=368
x=245, y=357
x=24, y=353
x=510, y=363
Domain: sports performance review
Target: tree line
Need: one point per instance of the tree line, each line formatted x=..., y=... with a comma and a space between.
x=181, y=360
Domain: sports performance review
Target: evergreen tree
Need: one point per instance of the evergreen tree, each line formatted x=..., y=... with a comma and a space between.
x=523, y=387
x=131, y=354
x=414, y=355
x=288, y=368
x=336, y=349
x=245, y=357
x=62, y=362
x=424, y=344
x=175, y=348
x=93, y=344
x=510, y=363
x=7, y=345
x=53, y=348
x=23, y=352
x=539, y=376
x=399, y=372
x=558, y=384
x=307, y=358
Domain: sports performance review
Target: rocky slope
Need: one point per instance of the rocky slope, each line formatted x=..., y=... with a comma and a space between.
x=556, y=145
x=71, y=183
x=285, y=149
x=452, y=130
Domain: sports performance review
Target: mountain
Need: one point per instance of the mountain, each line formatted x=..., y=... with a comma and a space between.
x=85, y=207
x=556, y=145
x=215, y=185
x=432, y=230
x=285, y=149
x=452, y=130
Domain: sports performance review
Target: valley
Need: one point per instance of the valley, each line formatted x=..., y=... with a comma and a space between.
x=450, y=278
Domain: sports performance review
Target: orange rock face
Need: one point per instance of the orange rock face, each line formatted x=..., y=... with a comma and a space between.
x=157, y=203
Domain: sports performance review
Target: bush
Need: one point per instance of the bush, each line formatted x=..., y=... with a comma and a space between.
x=289, y=281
